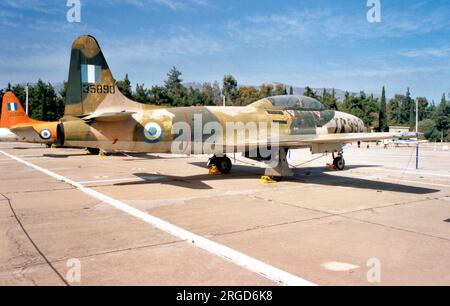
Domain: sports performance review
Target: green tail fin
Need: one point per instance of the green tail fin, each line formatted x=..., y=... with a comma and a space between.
x=90, y=80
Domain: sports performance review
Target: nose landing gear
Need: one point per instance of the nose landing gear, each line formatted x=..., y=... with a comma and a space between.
x=339, y=161
x=223, y=164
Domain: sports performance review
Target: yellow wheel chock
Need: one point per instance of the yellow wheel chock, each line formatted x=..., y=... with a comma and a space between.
x=214, y=171
x=267, y=180
x=331, y=167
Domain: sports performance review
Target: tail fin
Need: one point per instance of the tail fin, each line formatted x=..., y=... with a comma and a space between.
x=90, y=80
x=12, y=111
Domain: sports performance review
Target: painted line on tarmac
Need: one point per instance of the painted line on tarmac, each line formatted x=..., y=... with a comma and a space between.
x=240, y=259
x=112, y=180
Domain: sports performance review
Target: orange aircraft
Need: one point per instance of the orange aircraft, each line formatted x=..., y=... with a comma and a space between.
x=27, y=130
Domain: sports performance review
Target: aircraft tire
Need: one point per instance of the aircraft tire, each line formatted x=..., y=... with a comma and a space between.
x=339, y=163
x=223, y=164
x=93, y=151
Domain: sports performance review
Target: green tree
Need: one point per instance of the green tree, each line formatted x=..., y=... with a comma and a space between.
x=363, y=107
x=229, y=88
x=174, y=81
x=194, y=97
x=247, y=95
x=310, y=93
x=382, y=116
x=429, y=129
x=371, y=110
x=443, y=117
x=291, y=90
x=443, y=109
x=208, y=94
x=217, y=94
x=43, y=102
x=141, y=94
x=61, y=101
x=411, y=109
x=425, y=109
x=396, y=110
x=266, y=90
x=37, y=102
x=280, y=90
x=353, y=105
x=177, y=93
x=20, y=93
x=159, y=95
x=180, y=96
x=329, y=99
x=52, y=109
x=401, y=110
x=125, y=87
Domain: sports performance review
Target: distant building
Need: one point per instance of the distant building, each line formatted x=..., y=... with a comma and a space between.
x=399, y=129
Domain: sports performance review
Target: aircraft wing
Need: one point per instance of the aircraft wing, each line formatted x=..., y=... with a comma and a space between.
x=298, y=141
x=110, y=116
x=26, y=133
x=322, y=141
x=302, y=140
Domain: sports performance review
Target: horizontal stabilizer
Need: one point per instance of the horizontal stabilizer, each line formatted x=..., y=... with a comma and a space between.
x=27, y=133
x=110, y=116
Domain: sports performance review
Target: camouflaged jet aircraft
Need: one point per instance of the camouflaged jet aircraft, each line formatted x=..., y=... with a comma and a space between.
x=26, y=129
x=97, y=115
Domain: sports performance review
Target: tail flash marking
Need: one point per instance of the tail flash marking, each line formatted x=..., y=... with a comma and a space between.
x=91, y=74
x=12, y=107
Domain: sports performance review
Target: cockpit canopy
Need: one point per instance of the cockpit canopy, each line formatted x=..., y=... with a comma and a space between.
x=296, y=103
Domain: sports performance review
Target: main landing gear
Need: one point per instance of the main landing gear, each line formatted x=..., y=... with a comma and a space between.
x=339, y=161
x=223, y=164
x=93, y=151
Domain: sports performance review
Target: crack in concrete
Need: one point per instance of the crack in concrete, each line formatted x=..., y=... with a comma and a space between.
x=117, y=251
x=343, y=215
x=38, y=191
x=33, y=243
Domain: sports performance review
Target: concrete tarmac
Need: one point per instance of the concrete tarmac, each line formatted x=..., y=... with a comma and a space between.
x=379, y=222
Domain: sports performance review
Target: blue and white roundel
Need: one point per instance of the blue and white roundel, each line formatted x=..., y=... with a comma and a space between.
x=153, y=132
x=45, y=134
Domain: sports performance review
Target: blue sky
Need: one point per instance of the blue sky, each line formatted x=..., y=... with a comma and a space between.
x=321, y=43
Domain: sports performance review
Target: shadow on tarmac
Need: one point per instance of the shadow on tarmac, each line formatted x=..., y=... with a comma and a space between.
x=311, y=175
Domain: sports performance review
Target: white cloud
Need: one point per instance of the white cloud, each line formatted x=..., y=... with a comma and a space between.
x=171, y=4
x=322, y=23
x=182, y=45
x=427, y=52
x=46, y=7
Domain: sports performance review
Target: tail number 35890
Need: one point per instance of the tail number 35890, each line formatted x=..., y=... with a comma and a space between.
x=98, y=89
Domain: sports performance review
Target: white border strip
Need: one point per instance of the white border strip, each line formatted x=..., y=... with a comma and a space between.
x=215, y=248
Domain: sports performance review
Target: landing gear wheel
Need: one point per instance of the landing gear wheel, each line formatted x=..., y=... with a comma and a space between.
x=93, y=151
x=339, y=163
x=223, y=164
